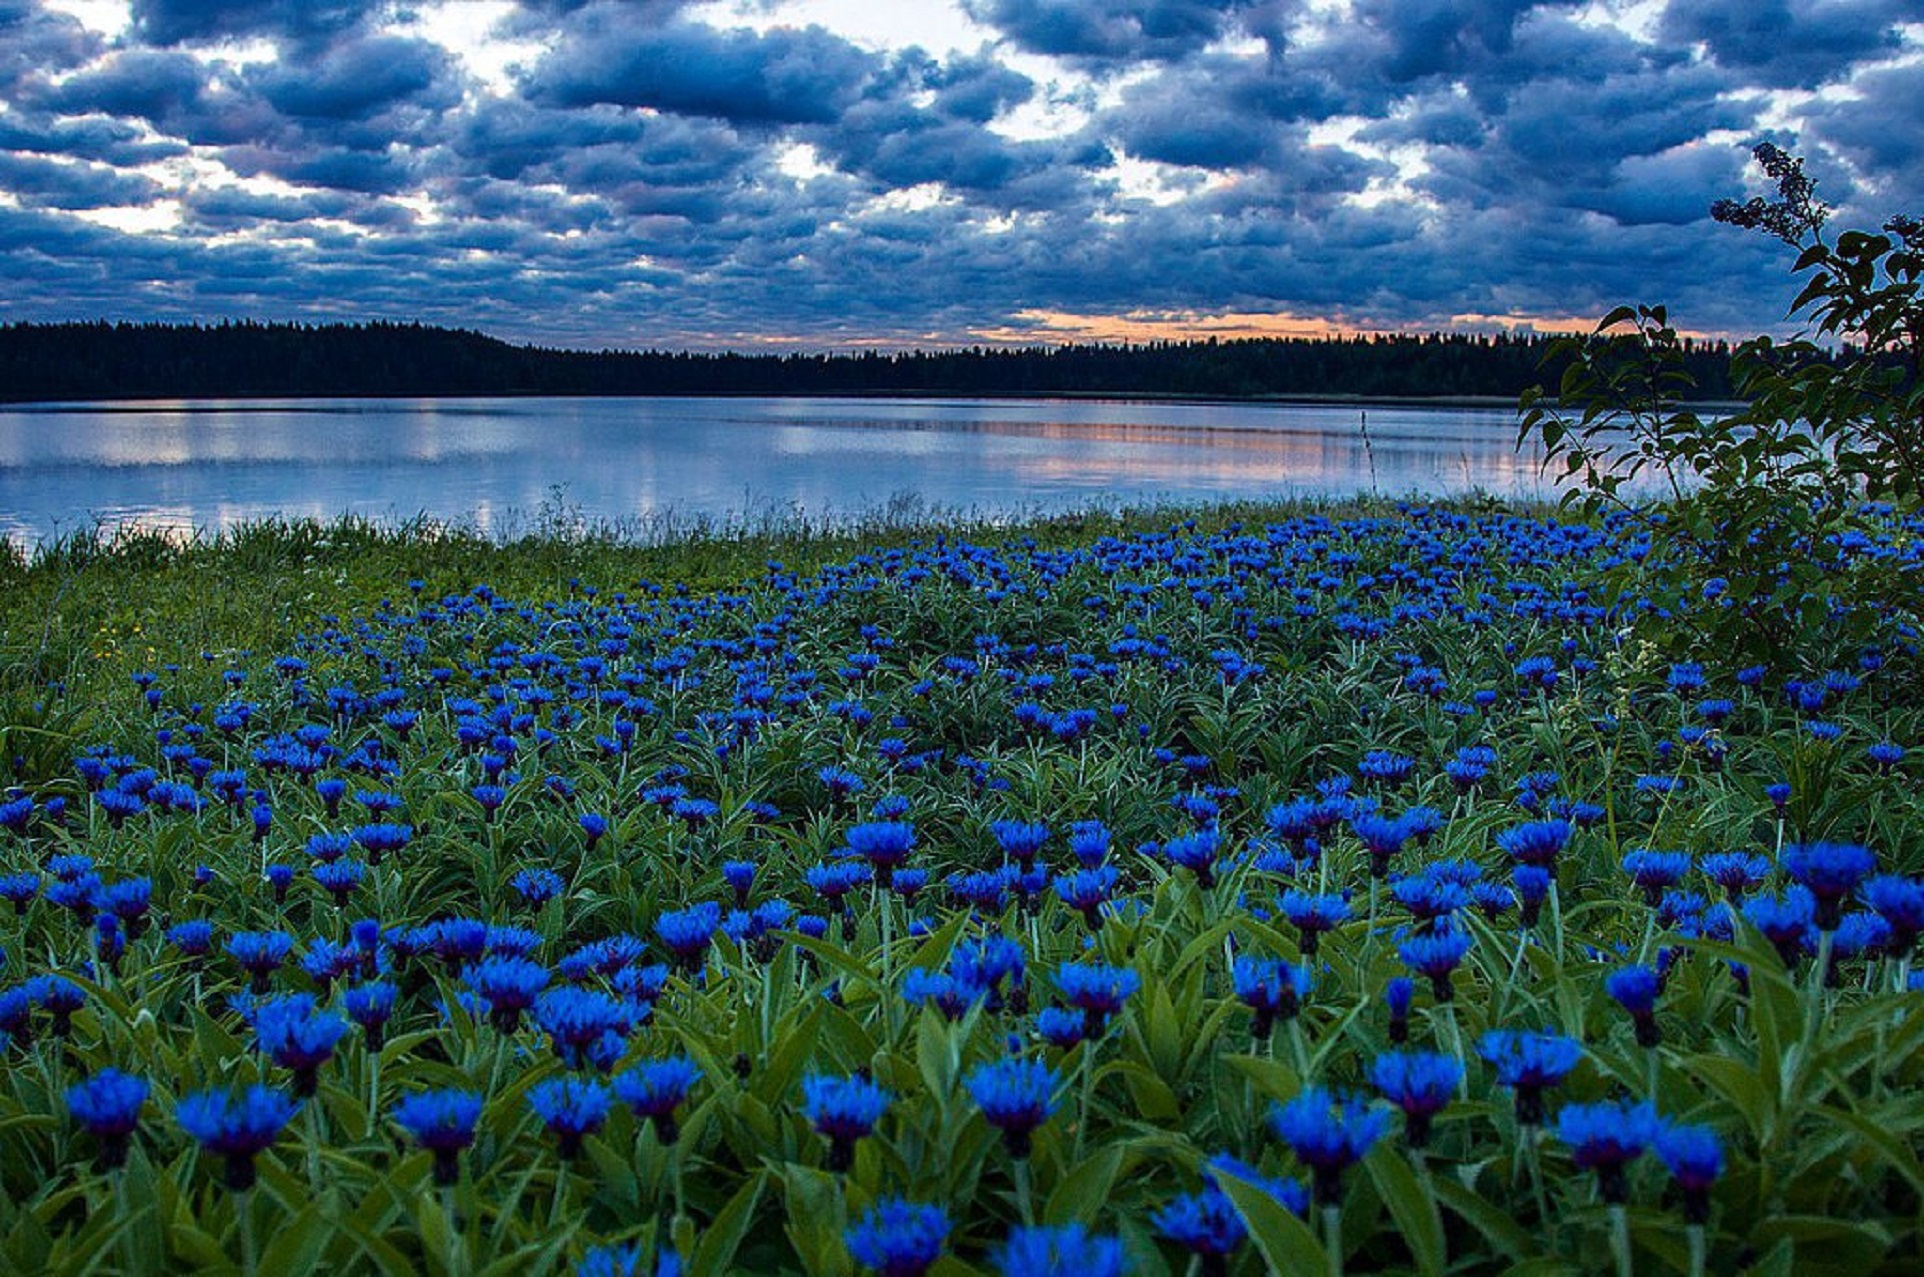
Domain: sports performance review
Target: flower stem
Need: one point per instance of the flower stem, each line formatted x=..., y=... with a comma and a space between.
x=1333, y=1239
x=1620, y=1240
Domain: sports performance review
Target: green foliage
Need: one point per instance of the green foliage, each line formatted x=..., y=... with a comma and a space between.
x=1759, y=503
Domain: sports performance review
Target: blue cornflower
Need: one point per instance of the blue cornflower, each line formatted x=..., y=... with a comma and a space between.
x=296, y=1036
x=1695, y=1159
x=61, y=997
x=1062, y=1027
x=1656, y=871
x=898, y=1238
x=260, y=954
x=1536, y=842
x=1382, y=837
x=583, y=1025
x=1087, y=890
x=1398, y=993
x=942, y=989
x=1900, y=903
x=1312, y=916
x=1605, y=1138
x=1206, y=1224
x=686, y=933
x=339, y=879
x=1195, y=852
x=1016, y=1096
x=237, y=1127
x=572, y=1109
x=441, y=1122
x=1020, y=840
x=509, y=985
x=740, y=877
x=1069, y=1250
x=19, y=889
x=1788, y=922
x=1327, y=1137
x=884, y=844
x=987, y=964
x=1436, y=957
x=1418, y=1082
x=370, y=1006
x=1089, y=842
x=538, y=886
x=1736, y=872
x=845, y=1109
x=1386, y=766
x=1271, y=988
x=1429, y=896
x=835, y=880
x=1830, y=871
x=654, y=1089
x=1635, y=990
x=107, y=1106
x=1529, y=1063
x=1098, y=989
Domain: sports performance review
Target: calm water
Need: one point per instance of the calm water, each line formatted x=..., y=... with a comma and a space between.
x=500, y=464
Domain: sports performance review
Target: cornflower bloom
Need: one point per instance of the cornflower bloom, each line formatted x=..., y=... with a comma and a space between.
x=1436, y=957
x=844, y=1110
x=1695, y=1159
x=898, y=1238
x=1313, y=916
x=509, y=985
x=370, y=1006
x=1327, y=1137
x=1529, y=1063
x=1015, y=1096
x=1069, y=1250
x=1635, y=990
x=1098, y=989
x=1536, y=842
x=1654, y=872
x=1397, y=995
x=572, y=1109
x=1830, y=871
x=442, y=1122
x=237, y=1127
x=1271, y=988
x=1087, y=890
x=1735, y=871
x=291, y=1032
x=107, y=1106
x=1418, y=1082
x=654, y=1089
x=1195, y=852
x=260, y=954
x=1606, y=1138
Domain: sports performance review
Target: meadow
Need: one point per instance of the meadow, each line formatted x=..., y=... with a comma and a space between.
x=1347, y=888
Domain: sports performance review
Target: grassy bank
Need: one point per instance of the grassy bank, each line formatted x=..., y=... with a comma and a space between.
x=1235, y=890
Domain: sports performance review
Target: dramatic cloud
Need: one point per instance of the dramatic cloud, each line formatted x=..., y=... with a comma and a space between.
x=723, y=173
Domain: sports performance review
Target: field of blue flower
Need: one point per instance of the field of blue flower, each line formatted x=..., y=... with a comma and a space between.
x=1267, y=891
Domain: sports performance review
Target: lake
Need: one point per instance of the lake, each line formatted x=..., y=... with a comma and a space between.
x=506, y=466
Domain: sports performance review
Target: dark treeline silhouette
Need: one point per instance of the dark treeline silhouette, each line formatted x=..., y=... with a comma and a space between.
x=40, y=362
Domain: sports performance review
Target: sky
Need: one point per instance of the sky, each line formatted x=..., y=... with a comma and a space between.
x=830, y=174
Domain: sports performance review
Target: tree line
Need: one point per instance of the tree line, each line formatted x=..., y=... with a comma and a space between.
x=107, y=360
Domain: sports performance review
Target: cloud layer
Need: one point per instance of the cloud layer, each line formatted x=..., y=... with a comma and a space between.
x=654, y=173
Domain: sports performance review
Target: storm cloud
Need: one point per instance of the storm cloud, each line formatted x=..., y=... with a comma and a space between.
x=659, y=173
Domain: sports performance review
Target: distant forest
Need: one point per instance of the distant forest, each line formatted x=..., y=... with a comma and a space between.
x=40, y=362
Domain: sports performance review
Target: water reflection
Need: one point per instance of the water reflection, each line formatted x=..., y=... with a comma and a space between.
x=487, y=462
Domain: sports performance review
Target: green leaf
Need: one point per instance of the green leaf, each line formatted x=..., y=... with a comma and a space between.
x=1413, y=1207
x=724, y=1234
x=1285, y=1241
x=1085, y=1190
